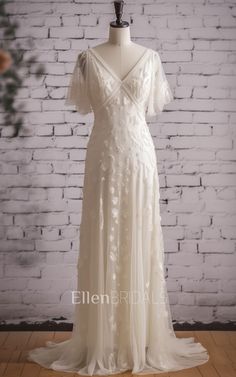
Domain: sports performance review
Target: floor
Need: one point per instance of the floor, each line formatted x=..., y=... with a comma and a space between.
x=221, y=346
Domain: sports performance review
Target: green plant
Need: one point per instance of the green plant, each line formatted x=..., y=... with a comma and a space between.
x=11, y=80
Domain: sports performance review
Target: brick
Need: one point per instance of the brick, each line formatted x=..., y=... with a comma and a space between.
x=192, y=80
x=13, y=284
x=206, y=299
x=211, y=233
x=162, y=9
x=65, y=32
x=27, y=8
x=72, y=142
x=173, y=285
x=228, y=286
x=196, y=155
x=75, y=218
x=219, y=180
x=228, y=168
x=173, y=299
x=197, y=313
x=20, y=271
x=185, y=259
x=225, y=313
x=185, y=207
x=41, y=219
x=200, y=286
x=33, y=207
x=41, y=298
x=13, y=297
x=185, y=271
x=48, y=180
x=18, y=156
x=59, y=245
x=73, y=193
x=16, y=245
x=54, y=154
x=202, y=142
x=221, y=206
x=186, y=299
x=227, y=193
x=43, y=168
x=14, y=233
x=192, y=233
x=70, y=232
x=72, y=9
x=213, y=56
x=44, y=130
x=224, y=220
x=50, y=233
x=35, y=32
x=54, y=193
x=173, y=232
x=212, y=118
x=228, y=155
x=62, y=129
x=229, y=232
x=40, y=285
x=216, y=246
x=46, y=117
x=75, y=180
x=56, y=272
x=188, y=246
x=183, y=180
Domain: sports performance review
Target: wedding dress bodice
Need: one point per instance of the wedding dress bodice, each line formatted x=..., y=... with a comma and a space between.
x=120, y=105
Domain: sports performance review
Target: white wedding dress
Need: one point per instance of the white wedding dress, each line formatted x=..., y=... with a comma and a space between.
x=121, y=253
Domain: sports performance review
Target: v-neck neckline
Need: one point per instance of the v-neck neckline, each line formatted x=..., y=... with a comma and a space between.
x=112, y=72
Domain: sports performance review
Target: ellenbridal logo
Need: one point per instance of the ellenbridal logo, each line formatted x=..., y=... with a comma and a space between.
x=117, y=297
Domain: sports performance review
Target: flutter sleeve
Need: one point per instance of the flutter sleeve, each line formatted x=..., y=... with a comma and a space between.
x=77, y=92
x=160, y=92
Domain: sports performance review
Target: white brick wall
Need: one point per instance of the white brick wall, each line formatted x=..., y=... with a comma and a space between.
x=42, y=169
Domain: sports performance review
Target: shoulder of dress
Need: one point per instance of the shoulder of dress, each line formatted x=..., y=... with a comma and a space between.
x=155, y=57
x=82, y=56
x=156, y=54
x=81, y=60
x=153, y=52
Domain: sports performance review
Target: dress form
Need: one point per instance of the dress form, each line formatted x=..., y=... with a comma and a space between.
x=119, y=52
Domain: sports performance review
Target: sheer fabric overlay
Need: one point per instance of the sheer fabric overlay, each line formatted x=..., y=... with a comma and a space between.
x=121, y=251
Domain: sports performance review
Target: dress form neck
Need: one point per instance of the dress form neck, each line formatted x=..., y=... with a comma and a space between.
x=119, y=36
x=119, y=52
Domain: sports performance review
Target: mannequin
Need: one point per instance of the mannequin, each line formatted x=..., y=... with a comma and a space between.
x=119, y=52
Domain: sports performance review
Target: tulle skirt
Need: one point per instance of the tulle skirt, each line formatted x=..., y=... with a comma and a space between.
x=122, y=319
